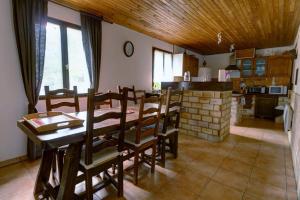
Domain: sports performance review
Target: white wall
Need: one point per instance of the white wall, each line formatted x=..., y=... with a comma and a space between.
x=220, y=61
x=13, y=103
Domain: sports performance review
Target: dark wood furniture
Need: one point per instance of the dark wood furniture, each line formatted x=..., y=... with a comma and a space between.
x=74, y=138
x=97, y=158
x=265, y=106
x=144, y=135
x=107, y=102
x=131, y=94
x=169, y=128
x=59, y=95
x=139, y=94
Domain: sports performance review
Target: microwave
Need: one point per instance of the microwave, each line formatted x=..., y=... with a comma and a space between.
x=278, y=89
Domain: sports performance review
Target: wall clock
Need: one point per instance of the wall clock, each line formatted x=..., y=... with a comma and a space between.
x=128, y=48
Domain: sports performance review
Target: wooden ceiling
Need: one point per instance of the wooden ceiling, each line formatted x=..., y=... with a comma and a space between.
x=194, y=24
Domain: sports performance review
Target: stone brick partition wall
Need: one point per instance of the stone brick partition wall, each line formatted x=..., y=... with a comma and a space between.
x=206, y=114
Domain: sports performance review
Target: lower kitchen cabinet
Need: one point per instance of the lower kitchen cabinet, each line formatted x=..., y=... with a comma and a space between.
x=265, y=106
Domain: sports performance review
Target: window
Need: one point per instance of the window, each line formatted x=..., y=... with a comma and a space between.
x=65, y=63
x=162, y=67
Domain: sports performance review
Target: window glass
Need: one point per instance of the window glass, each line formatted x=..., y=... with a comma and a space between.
x=168, y=71
x=53, y=76
x=162, y=68
x=78, y=72
x=65, y=62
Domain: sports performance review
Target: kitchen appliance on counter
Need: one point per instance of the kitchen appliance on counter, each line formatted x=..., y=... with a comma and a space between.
x=279, y=89
x=187, y=76
x=256, y=90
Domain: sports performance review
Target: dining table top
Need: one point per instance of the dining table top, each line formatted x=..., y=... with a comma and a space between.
x=64, y=136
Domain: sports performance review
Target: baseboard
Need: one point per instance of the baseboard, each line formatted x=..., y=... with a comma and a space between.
x=13, y=161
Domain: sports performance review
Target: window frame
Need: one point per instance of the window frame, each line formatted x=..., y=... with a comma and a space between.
x=64, y=51
x=164, y=51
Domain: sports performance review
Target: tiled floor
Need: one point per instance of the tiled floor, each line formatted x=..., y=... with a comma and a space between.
x=254, y=163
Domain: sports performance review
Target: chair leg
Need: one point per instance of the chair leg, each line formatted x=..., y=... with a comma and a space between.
x=88, y=186
x=176, y=145
x=113, y=167
x=120, y=177
x=136, y=166
x=54, y=165
x=171, y=143
x=60, y=162
x=163, y=151
x=153, y=158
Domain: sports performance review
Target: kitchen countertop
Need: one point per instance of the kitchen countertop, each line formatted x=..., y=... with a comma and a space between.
x=201, y=86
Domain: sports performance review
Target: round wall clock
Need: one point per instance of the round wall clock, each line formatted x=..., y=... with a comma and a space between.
x=128, y=49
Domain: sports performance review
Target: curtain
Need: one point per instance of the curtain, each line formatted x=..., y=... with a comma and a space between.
x=91, y=27
x=30, y=19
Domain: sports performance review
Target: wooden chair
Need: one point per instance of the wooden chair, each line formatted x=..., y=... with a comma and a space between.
x=131, y=94
x=139, y=94
x=55, y=95
x=144, y=135
x=105, y=103
x=97, y=158
x=61, y=93
x=169, y=127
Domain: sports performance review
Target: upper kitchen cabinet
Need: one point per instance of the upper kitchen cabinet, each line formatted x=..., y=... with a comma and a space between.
x=183, y=62
x=280, y=66
x=247, y=67
x=253, y=67
x=260, y=67
x=245, y=53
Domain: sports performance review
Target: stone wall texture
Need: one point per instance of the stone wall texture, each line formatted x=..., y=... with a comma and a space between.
x=206, y=114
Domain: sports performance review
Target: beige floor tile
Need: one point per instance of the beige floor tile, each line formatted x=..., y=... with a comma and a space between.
x=266, y=176
x=231, y=179
x=237, y=166
x=262, y=191
x=217, y=191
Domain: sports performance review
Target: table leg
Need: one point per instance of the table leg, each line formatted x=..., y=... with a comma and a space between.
x=44, y=172
x=70, y=169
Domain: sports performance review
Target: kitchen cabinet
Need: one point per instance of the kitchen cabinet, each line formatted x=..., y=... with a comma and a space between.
x=265, y=106
x=253, y=67
x=247, y=67
x=260, y=67
x=280, y=66
x=184, y=62
x=245, y=53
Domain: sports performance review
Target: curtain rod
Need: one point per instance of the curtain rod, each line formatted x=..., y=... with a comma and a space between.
x=78, y=10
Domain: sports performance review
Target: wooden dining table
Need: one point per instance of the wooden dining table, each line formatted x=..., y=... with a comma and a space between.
x=74, y=138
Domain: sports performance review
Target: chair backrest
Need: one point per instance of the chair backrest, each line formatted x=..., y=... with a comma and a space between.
x=139, y=94
x=131, y=94
x=107, y=102
x=149, y=116
x=61, y=93
x=92, y=120
x=172, y=109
